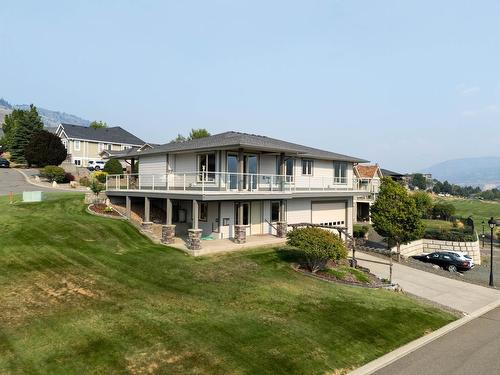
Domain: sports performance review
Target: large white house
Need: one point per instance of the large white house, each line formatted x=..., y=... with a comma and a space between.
x=234, y=185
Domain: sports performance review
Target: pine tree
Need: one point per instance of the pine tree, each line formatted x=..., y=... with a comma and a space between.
x=23, y=129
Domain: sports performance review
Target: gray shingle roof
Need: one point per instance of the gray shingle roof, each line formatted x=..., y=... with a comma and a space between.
x=248, y=141
x=386, y=172
x=115, y=134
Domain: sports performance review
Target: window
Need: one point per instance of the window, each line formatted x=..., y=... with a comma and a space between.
x=65, y=143
x=307, y=167
x=110, y=146
x=101, y=147
x=206, y=163
x=125, y=147
x=203, y=211
x=340, y=172
x=77, y=145
x=275, y=211
x=77, y=162
x=288, y=168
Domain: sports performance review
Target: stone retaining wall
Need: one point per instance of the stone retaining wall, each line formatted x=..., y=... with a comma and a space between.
x=430, y=246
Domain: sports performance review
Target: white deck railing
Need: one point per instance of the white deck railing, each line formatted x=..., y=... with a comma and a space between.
x=230, y=182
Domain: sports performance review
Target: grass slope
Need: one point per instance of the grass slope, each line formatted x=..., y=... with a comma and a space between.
x=84, y=294
x=480, y=210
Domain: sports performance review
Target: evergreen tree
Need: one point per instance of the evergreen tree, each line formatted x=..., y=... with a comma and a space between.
x=23, y=128
x=44, y=148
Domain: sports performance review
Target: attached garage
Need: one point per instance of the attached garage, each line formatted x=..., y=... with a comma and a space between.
x=329, y=213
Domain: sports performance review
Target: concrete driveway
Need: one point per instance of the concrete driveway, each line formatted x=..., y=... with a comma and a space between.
x=455, y=294
x=12, y=180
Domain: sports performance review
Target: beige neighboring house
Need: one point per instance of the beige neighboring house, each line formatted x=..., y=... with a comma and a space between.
x=369, y=179
x=84, y=143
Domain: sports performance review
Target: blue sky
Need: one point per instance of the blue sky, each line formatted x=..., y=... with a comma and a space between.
x=402, y=83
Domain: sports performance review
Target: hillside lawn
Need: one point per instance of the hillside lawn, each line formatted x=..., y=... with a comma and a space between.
x=84, y=294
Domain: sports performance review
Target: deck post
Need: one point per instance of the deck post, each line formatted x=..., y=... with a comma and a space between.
x=169, y=212
x=128, y=206
x=147, y=224
x=195, y=214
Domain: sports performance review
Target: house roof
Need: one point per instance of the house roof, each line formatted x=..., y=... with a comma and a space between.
x=51, y=129
x=114, y=134
x=233, y=139
x=366, y=171
x=387, y=172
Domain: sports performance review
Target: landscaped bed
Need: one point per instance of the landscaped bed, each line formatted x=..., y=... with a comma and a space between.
x=84, y=294
x=103, y=209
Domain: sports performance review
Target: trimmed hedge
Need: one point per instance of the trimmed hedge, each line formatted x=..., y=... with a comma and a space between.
x=450, y=235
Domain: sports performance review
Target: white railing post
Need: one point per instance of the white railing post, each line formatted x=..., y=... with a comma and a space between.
x=271, y=182
x=309, y=183
x=116, y=183
x=139, y=181
x=184, y=182
x=323, y=183
x=128, y=182
x=153, y=182
x=203, y=176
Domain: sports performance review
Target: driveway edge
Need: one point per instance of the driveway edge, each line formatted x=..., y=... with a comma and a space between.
x=404, y=350
x=28, y=180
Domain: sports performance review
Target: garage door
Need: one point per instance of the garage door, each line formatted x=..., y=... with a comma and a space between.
x=329, y=213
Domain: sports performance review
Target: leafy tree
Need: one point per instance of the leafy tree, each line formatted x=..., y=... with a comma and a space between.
x=317, y=245
x=438, y=187
x=21, y=132
x=96, y=187
x=395, y=215
x=178, y=139
x=98, y=125
x=198, y=133
x=44, y=148
x=423, y=202
x=446, y=187
x=418, y=181
x=443, y=210
x=113, y=166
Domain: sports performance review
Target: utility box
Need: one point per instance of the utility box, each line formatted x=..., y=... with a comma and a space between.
x=32, y=196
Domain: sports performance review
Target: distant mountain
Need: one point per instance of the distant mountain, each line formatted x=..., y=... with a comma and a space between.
x=483, y=172
x=49, y=117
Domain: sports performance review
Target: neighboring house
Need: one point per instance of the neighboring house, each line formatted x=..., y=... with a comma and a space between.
x=84, y=143
x=234, y=185
x=394, y=175
x=124, y=155
x=369, y=180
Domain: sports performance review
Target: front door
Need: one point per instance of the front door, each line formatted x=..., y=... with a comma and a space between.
x=256, y=218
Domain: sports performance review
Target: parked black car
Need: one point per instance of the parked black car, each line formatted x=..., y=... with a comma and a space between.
x=448, y=261
x=4, y=163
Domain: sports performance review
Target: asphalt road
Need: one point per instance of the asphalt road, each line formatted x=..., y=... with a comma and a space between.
x=12, y=180
x=473, y=348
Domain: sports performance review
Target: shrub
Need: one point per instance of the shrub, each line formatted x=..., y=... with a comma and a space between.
x=113, y=166
x=317, y=245
x=84, y=181
x=68, y=177
x=96, y=187
x=443, y=210
x=100, y=176
x=360, y=231
x=53, y=173
x=450, y=235
x=44, y=148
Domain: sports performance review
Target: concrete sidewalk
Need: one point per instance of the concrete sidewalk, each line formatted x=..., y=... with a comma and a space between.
x=458, y=295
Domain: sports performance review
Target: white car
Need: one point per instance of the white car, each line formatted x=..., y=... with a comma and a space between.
x=466, y=257
x=96, y=165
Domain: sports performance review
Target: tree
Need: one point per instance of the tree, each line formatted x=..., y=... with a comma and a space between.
x=423, y=202
x=443, y=210
x=113, y=166
x=44, y=148
x=96, y=187
x=98, y=125
x=418, y=181
x=198, y=133
x=194, y=134
x=318, y=246
x=438, y=187
x=9, y=123
x=395, y=215
x=22, y=131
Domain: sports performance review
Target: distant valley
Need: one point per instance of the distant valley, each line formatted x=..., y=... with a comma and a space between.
x=49, y=117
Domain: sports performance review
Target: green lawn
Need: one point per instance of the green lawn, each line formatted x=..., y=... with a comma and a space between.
x=438, y=224
x=480, y=210
x=83, y=294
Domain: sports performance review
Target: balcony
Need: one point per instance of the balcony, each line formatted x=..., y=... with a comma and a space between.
x=231, y=183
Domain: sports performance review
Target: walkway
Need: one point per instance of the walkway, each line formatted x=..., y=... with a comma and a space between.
x=455, y=294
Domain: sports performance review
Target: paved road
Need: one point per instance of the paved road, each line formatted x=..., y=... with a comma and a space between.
x=456, y=294
x=12, y=180
x=473, y=348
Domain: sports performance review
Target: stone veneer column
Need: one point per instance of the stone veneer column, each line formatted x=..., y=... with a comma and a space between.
x=194, y=240
x=147, y=225
x=168, y=234
x=240, y=234
x=281, y=229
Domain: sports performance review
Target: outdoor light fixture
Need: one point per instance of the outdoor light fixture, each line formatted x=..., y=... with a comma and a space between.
x=492, y=223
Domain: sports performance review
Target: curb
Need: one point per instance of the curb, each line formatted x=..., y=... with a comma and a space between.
x=404, y=350
x=26, y=177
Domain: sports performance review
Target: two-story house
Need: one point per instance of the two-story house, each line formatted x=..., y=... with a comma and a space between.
x=84, y=143
x=234, y=185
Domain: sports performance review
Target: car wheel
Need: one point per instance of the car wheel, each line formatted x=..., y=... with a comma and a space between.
x=452, y=268
x=97, y=168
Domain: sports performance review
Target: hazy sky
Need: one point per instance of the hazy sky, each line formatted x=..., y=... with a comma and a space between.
x=403, y=83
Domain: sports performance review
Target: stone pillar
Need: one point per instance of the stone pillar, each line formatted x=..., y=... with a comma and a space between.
x=147, y=226
x=281, y=229
x=168, y=234
x=240, y=234
x=128, y=206
x=195, y=214
x=147, y=210
x=194, y=239
x=169, y=212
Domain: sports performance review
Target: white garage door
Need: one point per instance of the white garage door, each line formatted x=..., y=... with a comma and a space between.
x=329, y=213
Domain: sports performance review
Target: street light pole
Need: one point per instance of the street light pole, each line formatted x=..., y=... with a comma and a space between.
x=483, y=232
x=492, y=223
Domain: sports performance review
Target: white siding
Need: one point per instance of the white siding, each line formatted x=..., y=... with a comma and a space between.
x=267, y=164
x=227, y=211
x=154, y=164
x=185, y=163
x=210, y=225
x=298, y=211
